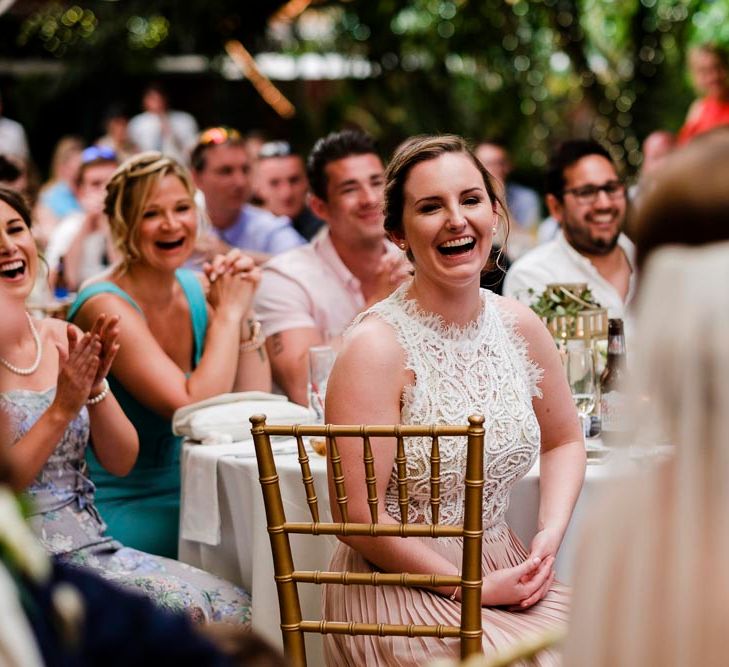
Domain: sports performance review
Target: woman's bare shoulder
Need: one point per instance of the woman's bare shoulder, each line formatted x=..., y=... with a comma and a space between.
x=53, y=328
x=372, y=338
x=106, y=302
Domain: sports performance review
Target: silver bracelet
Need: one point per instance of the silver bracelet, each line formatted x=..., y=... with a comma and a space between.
x=101, y=395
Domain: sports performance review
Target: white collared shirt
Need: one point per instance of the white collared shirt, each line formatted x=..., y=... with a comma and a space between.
x=558, y=262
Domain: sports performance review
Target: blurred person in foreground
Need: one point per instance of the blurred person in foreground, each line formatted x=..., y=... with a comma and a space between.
x=709, y=68
x=54, y=391
x=55, y=614
x=418, y=357
x=310, y=295
x=59, y=615
x=222, y=170
x=651, y=581
x=281, y=183
x=186, y=337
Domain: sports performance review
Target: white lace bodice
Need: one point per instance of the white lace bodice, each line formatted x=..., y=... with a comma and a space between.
x=480, y=368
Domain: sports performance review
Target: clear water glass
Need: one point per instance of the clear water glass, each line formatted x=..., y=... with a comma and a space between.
x=321, y=360
x=580, y=368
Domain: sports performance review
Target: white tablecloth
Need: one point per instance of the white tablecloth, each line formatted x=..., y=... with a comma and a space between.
x=244, y=553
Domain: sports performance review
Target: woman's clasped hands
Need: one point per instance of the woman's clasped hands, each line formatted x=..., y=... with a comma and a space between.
x=519, y=587
x=233, y=279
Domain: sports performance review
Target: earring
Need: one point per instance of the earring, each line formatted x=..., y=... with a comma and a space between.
x=403, y=245
x=493, y=229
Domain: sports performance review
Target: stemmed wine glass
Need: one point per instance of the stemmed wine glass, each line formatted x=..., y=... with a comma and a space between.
x=580, y=367
x=321, y=360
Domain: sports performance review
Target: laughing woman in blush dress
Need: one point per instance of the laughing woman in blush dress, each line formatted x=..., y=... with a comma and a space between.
x=434, y=352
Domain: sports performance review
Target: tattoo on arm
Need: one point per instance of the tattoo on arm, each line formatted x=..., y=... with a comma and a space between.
x=276, y=344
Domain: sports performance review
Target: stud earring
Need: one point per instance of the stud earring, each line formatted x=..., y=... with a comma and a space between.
x=403, y=246
x=493, y=229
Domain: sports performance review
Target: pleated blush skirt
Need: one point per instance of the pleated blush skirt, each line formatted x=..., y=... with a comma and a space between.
x=395, y=604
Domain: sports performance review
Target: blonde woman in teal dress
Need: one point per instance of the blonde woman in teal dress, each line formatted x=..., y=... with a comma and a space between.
x=186, y=337
x=55, y=403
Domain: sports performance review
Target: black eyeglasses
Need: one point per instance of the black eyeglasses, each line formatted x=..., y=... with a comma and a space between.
x=587, y=194
x=275, y=149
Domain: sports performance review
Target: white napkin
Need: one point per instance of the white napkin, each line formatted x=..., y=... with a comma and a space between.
x=221, y=425
x=200, y=511
x=228, y=414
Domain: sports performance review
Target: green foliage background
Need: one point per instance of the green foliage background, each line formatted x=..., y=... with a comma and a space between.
x=527, y=72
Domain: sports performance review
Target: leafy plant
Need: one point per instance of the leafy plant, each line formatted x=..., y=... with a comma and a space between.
x=560, y=301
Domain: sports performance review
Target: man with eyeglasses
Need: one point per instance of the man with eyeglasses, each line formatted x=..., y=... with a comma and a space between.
x=587, y=198
x=81, y=242
x=282, y=185
x=221, y=169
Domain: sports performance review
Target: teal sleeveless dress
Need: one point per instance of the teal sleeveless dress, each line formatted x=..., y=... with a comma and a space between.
x=142, y=510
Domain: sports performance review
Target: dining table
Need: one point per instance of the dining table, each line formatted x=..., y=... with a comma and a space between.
x=223, y=524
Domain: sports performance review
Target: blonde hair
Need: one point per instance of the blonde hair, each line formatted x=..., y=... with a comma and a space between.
x=650, y=587
x=127, y=194
x=67, y=148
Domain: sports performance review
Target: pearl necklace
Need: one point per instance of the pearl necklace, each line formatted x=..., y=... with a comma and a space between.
x=39, y=350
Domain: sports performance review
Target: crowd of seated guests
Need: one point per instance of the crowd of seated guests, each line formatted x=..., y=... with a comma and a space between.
x=186, y=290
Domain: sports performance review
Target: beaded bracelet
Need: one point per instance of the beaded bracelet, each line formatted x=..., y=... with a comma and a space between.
x=101, y=395
x=256, y=340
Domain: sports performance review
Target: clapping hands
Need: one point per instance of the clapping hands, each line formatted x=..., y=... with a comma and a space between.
x=107, y=330
x=83, y=366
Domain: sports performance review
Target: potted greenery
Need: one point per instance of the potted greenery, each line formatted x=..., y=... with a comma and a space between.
x=570, y=311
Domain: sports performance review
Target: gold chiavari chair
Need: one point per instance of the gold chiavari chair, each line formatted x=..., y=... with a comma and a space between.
x=287, y=577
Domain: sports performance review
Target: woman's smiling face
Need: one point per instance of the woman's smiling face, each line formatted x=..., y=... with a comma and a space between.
x=18, y=253
x=168, y=226
x=448, y=219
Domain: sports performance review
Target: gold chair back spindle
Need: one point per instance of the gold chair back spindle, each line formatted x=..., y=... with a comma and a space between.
x=370, y=477
x=287, y=578
x=283, y=562
x=337, y=475
x=307, y=478
x=402, y=476
x=435, y=479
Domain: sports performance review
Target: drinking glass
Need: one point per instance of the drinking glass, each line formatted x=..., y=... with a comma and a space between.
x=321, y=360
x=580, y=367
